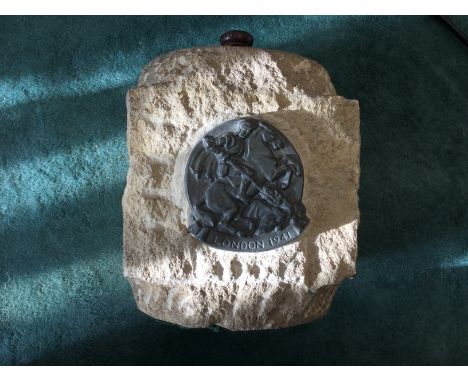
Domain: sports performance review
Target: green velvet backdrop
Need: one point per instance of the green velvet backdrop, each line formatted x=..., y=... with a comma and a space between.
x=63, y=299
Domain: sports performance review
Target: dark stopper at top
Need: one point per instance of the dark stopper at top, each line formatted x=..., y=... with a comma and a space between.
x=236, y=38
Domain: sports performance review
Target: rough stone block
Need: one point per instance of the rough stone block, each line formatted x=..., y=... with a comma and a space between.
x=178, y=279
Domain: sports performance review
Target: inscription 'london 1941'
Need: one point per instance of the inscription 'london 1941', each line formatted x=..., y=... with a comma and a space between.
x=244, y=182
x=254, y=245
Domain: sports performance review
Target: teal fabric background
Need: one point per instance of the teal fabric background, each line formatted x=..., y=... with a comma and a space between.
x=63, y=299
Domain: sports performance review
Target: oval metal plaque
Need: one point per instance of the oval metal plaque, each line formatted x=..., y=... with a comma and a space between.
x=244, y=183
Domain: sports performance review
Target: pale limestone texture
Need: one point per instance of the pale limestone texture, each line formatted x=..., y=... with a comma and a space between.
x=176, y=278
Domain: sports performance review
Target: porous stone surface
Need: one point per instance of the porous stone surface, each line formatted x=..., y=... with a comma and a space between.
x=243, y=72
x=179, y=98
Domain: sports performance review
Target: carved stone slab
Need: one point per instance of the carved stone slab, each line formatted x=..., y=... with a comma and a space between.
x=178, y=278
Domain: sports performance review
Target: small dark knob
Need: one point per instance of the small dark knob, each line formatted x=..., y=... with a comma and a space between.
x=236, y=38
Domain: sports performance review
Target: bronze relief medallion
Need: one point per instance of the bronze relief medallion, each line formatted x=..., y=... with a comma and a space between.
x=244, y=182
